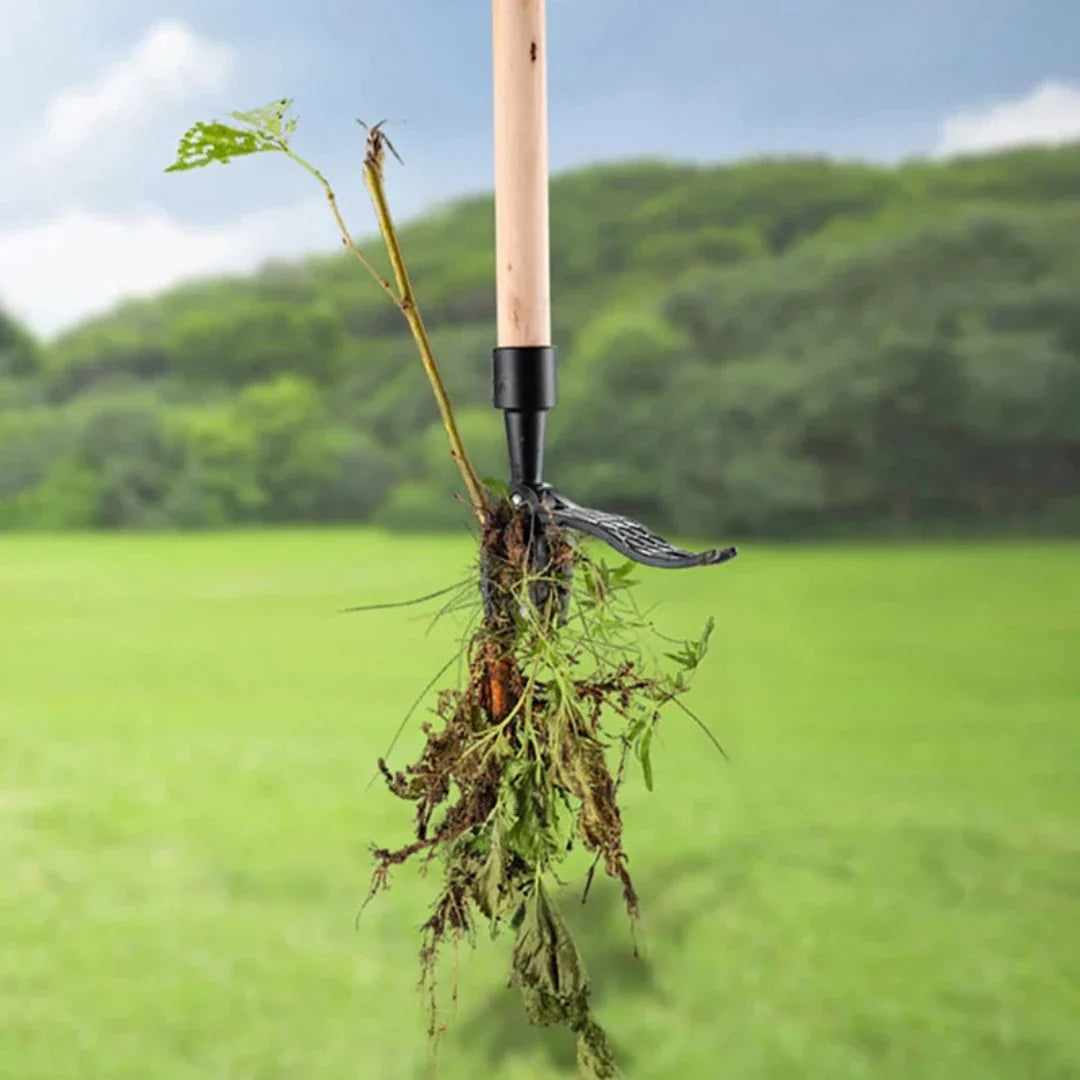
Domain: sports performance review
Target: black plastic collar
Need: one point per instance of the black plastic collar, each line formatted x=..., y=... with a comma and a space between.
x=523, y=377
x=524, y=387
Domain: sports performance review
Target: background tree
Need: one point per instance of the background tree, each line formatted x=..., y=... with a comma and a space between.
x=803, y=347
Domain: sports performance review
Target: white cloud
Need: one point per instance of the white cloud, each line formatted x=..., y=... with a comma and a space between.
x=54, y=273
x=1050, y=113
x=169, y=64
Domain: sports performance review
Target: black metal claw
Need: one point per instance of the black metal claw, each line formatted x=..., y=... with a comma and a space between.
x=629, y=537
x=525, y=389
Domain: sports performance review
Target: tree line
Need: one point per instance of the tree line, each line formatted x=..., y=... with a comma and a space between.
x=784, y=347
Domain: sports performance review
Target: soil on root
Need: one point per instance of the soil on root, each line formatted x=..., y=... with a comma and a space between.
x=515, y=771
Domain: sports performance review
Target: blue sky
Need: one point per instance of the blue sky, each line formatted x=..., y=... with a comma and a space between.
x=93, y=96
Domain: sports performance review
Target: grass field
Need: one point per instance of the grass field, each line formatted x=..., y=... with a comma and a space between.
x=885, y=883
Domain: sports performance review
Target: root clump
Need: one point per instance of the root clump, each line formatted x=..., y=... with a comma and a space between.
x=517, y=765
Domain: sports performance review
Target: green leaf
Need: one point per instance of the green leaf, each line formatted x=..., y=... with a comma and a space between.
x=692, y=653
x=491, y=887
x=644, y=753
x=706, y=635
x=527, y=813
x=262, y=130
x=548, y=970
x=273, y=119
x=547, y=966
x=594, y=1054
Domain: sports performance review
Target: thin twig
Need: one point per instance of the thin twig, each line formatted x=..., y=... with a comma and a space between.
x=346, y=237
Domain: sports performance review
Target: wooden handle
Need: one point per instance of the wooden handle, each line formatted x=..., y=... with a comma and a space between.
x=523, y=266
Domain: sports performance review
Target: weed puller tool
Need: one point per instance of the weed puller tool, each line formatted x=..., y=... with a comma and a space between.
x=564, y=679
x=524, y=362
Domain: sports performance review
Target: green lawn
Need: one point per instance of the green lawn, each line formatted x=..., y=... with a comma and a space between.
x=885, y=883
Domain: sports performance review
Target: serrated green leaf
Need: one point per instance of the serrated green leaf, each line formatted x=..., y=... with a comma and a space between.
x=526, y=813
x=262, y=130
x=204, y=144
x=547, y=966
x=492, y=888
x=272, y=119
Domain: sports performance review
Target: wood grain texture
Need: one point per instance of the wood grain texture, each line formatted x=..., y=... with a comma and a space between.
x=523, y=275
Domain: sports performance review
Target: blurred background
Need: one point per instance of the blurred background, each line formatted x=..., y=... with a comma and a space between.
x=816, y=273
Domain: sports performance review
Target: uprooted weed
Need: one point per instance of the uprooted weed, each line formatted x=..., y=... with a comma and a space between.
x=516, y=771
x=516, y=767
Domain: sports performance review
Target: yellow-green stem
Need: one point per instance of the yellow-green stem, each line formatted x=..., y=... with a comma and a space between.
x=406, y=301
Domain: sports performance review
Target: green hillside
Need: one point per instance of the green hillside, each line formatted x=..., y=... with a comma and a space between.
x=781, y=347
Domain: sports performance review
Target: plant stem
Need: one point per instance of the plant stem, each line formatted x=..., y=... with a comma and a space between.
x=403, y=298
x=346, y=236
x=406, y=301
